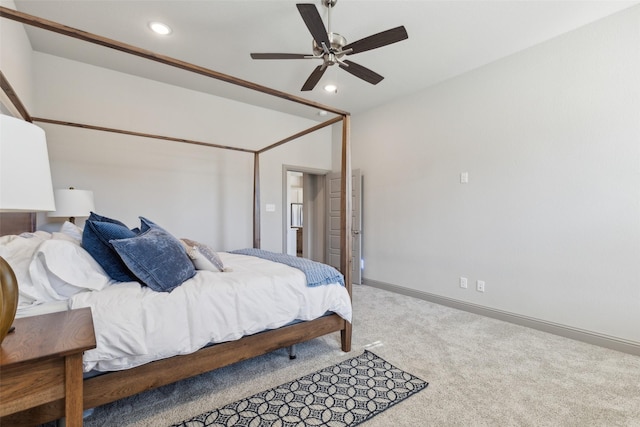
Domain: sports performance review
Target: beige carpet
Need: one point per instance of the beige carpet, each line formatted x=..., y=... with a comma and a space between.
x=481, y=372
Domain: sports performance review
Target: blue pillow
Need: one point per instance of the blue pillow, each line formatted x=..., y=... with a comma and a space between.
x=95, y=217
x=157, y=258
x=95, y=239
x=146, y=224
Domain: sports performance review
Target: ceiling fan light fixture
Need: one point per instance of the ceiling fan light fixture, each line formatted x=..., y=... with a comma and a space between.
x=160, y=28
x=331, y=88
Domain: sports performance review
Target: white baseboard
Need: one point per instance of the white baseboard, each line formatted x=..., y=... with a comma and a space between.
x=613, y=343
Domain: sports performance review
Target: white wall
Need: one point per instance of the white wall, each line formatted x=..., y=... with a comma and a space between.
x=15, y=60
x=304, y=153
x=202, y=193
x=550, y=218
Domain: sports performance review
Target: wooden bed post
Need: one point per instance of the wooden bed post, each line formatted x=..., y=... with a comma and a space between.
x=256, y=200
x=345, y=221
x=13, y=97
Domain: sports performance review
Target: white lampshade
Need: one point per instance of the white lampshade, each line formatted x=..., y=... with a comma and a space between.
x=25, y=176
x=73, y=203
x=25, y=186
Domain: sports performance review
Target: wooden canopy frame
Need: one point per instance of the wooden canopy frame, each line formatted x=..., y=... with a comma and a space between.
x=113, y=386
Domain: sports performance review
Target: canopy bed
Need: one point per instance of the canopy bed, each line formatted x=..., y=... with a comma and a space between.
x=115, y=385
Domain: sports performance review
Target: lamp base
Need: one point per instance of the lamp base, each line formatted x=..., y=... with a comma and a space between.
x=8, y=298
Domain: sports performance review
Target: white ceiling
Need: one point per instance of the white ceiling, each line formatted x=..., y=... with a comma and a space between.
x=446, y=38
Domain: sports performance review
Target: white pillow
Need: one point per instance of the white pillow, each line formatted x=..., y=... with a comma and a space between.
x=19, y=251
x=72, y=230
x=64, y=268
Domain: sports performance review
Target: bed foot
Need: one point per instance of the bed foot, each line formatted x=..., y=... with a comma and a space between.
x=292, y=352
x=62, y=422
x=345, y=337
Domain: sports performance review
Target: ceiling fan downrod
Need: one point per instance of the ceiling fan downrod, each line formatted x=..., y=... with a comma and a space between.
x=333, y=53
x=329, y=4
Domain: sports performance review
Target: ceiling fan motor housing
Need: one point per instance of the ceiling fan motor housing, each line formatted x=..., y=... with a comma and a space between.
x=335, y=50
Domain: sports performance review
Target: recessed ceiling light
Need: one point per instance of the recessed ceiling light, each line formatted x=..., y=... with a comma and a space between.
x=160, y=28
x=331, y=88
x=322, y=113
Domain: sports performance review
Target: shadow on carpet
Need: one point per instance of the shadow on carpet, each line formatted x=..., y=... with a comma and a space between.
x=345, y=394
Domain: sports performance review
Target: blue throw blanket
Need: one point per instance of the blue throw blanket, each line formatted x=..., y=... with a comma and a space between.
x=316, y=272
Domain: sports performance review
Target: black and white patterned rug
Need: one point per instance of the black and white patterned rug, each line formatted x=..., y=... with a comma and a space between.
x=345, y=394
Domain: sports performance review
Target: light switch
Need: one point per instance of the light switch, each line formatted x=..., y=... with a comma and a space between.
x=270, y=207
x=464, y=177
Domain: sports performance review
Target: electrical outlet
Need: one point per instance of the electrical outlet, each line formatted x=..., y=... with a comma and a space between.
x=463, y=282
x=464, y=177
x=480, y=285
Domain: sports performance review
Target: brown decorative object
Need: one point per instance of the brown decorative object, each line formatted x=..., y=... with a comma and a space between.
x=8, y=297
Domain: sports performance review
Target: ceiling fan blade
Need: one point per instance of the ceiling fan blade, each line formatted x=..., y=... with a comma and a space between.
x=279, y=56
x=375, y=41
x=314, y=78
x=312, y=19
x=361, y=72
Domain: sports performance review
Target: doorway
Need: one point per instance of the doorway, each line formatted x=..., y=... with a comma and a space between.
x=304, y=222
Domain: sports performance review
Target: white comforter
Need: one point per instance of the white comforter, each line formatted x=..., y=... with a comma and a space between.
x=135, y=325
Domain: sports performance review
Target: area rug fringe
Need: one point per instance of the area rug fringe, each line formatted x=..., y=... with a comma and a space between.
x=345, y=394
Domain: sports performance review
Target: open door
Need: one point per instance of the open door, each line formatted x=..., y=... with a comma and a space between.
x=333, y=223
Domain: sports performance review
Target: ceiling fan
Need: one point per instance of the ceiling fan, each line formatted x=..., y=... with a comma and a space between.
x=331, y=47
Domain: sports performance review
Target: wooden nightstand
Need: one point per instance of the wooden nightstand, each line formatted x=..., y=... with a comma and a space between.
x=42, y=362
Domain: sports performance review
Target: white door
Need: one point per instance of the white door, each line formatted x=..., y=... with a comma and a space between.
x=333, y=223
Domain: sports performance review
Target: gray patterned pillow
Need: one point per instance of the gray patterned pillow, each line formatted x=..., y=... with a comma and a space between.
x=202, y=256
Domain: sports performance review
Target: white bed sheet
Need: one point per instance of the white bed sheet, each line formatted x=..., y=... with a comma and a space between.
x=44, y=308
x=135, y=325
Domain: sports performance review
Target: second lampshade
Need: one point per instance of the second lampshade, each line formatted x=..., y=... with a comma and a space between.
x=73, y=203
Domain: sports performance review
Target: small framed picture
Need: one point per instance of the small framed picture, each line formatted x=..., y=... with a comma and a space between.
x=296, y=215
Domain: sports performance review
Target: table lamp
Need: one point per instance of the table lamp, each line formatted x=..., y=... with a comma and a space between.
x=72, y=203
x=25, y=186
